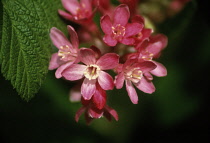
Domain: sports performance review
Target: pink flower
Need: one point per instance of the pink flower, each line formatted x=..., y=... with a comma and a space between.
x=149, y=50
x=132, y=72
x=79, y=12
x=96, y=107
x=153, y=46
x=92, y=71
x=144, y=34
x=68, y=50
x=119, y=30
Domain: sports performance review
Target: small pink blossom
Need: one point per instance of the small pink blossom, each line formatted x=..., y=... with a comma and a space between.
x=144, y=34
x=93, y=71
x=79, y=12
x=132, y=72
x=152, y=47
x=150, y=50
x=119, y=30
x=68, y=50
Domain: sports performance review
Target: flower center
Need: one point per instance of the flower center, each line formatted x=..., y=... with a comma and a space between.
x=147, y=56
x=66, y=54
x=81, y=12
x=134, y=75
x=138, y=36
x=92, y=72
x=118, y=31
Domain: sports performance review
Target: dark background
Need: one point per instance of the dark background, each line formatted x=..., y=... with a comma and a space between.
x=179, y=111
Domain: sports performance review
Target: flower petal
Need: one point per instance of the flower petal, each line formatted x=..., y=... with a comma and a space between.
x=87, y=56
x=95, y=113
x=142, y=45
x=96, y=51
x=148, y=76
x=105, y=81
x=146, y=33
x=128, y=41
x=145, y=86
x=88, y=88
x=54, y=62
x=158, y=43
x=146, y=66
x=99, y=97
x=74, y=72
x=106, y=24
x=108, y=61
x=119, y=68
x=58, y=38
x=65, y=15
x=138, y=19
x=71, y=5
x=73, y=38
x=79, y=113
x=131, y=92
x=111, y=111
x=160, y=38
x=119, y=80
x=121, y=15
x=133, y=29
x=108, y=39
x=58, y=73
x=129, y=63
x=86, y=4
x=160, y=70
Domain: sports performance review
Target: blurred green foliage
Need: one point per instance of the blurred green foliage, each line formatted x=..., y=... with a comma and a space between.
x=177, y=112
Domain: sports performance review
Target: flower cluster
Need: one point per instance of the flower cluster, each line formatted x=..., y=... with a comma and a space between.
x=124, y=45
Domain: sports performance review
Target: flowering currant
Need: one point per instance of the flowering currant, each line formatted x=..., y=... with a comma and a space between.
x=81, y=12
x=144, y=34
x=149, y=50
x=119, y=30
x=132, y=72
x=92, y=70
x=68, y=50
x=127, y=47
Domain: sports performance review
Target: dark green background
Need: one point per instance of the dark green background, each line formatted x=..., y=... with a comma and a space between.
x=177, y=112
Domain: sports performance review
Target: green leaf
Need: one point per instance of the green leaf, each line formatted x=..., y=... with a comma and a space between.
x=25, y=43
